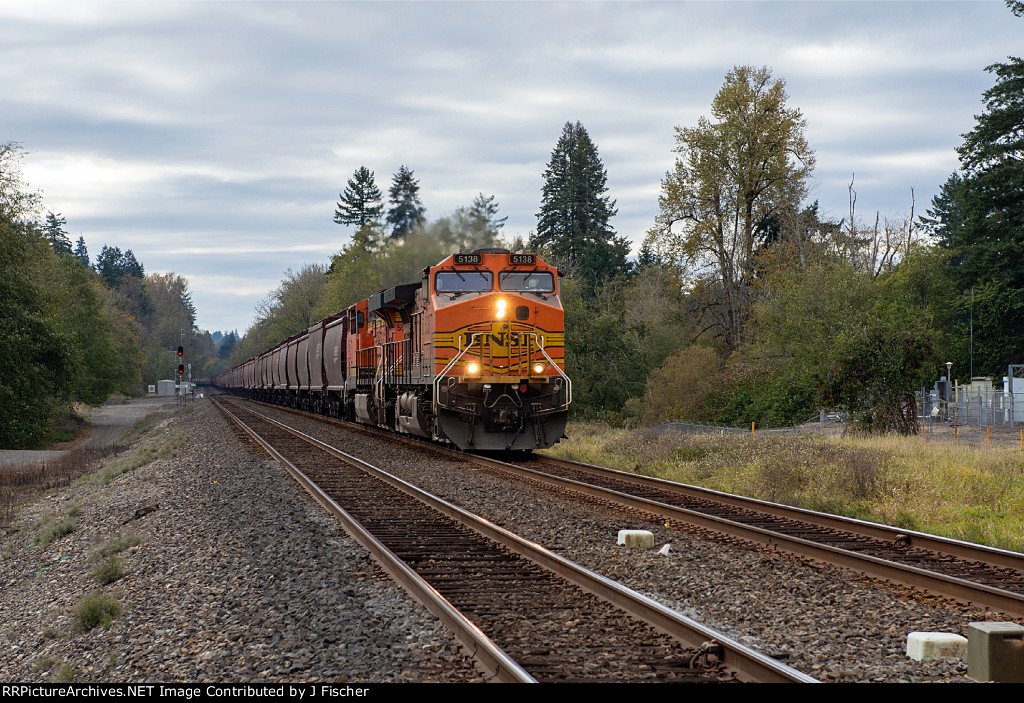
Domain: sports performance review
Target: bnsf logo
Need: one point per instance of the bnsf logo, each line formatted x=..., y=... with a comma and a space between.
x=500, y=339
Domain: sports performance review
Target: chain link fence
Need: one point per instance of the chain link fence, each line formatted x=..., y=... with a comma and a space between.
x=975, y=405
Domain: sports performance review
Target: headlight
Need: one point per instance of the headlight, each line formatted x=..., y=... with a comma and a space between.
x=538, y=368
x=501, y=308
x=473, y=368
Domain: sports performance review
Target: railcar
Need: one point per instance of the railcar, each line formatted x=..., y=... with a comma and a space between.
x=472, y=354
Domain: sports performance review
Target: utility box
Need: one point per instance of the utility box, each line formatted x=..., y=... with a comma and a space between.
x=166, y=388
x=995, y=652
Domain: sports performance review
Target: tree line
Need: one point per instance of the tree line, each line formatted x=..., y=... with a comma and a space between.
x=75, y=331
x=744, y=304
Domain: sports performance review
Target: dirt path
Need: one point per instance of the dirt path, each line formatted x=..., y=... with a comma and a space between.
x=107, y=424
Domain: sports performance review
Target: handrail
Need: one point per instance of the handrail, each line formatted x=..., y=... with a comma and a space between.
x=444, y=372
x=568, y=381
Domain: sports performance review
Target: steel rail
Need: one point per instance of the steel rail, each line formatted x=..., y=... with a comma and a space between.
x=935, y=543
x=748, y=664
x=950, y=586
x=908, y=575
x=496, y=663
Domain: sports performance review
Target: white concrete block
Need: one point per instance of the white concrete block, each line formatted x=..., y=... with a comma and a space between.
x=935, y=645
x=636, y=538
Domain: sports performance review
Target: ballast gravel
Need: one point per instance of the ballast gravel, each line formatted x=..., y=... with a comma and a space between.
x=237, y=577
x=826, y=622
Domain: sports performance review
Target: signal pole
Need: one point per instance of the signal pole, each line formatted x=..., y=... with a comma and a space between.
x=181, y=374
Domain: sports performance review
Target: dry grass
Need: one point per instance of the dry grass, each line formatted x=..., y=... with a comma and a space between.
x=54, y=473
x=90, y=467
x=974, y=494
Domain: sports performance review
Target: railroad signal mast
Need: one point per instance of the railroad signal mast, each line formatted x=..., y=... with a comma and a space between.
x=181, y=374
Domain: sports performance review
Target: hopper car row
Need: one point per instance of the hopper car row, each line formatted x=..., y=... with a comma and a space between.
x=470, y=355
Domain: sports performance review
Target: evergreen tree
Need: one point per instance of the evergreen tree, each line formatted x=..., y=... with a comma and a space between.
x=945, y=217
x=81, y=253
x=55, y=233
x=360, y=204
x=573, y=222
x=979, y=219
x=227, y=345
x=406, y=212
x=990, y=240
x=484, y=211
x=113, y=266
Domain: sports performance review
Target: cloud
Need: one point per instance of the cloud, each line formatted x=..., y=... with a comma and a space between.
x=214, y=138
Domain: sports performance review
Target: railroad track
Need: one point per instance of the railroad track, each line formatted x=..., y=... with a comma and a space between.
x=970, y=573
x=973, y=574
x=527, y=613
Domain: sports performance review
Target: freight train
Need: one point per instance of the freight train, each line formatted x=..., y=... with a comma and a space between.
x=472, y=355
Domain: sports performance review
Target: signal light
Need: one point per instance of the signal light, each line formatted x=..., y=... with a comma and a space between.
x=181, y=350
x=181, y=369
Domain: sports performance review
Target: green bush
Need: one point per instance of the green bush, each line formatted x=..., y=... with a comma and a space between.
x=97, y=608
x=109, y=571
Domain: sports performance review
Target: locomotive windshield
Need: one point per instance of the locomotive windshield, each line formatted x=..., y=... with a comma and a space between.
x=463, y=281
x=527, y=281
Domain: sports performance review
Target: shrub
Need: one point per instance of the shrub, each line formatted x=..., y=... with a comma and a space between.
x=116, y=545
x=109, y=571
x=97, y=608
x=53, y=530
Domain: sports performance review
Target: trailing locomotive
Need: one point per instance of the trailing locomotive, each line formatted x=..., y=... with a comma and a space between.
x=472, y=354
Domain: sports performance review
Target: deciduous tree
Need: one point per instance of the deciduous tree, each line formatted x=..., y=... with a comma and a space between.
x=747, y=164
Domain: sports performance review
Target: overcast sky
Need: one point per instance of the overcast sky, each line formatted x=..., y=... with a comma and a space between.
x=214, y=138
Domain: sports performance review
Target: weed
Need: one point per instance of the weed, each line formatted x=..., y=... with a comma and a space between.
x=965, y=492
x=116, y=545
x=109, y=571
x=64, y=673
x=52, y=530
x=95, y=609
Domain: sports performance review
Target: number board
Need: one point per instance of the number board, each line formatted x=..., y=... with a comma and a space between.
x=467, y=258
x=521, y=258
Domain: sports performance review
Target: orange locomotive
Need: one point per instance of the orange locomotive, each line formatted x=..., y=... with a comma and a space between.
x=473, y=354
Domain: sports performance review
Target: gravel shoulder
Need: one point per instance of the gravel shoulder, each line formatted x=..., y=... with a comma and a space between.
x=237, y=577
